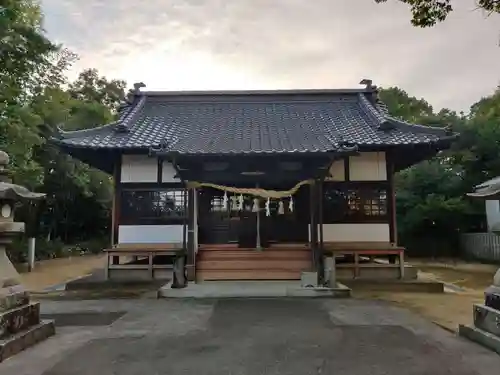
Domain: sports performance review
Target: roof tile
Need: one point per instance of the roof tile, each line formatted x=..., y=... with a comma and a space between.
x=253, y=123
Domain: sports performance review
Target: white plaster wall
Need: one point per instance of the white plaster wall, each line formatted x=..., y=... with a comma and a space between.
x=368, y=166
x=366, y=232
x=492, y=212
x=139, y=168
x=150, y=234
x=337, y=171
x=168, y=173
x=142, y=168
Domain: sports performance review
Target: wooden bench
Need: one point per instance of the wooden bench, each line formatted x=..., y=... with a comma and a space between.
x=371, y=249
x=148, y=251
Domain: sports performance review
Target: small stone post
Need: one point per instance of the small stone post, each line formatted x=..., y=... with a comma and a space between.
x=31, y=253
x=179, y=275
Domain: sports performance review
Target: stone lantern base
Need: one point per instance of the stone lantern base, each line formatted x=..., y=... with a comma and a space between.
x=486, y=329
x=20, y=324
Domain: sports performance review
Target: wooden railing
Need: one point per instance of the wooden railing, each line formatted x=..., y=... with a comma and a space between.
x=370, y=249
x=136, y=251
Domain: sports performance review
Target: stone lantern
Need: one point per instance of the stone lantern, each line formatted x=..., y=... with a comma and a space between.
x=20, y=324
x=486, y=329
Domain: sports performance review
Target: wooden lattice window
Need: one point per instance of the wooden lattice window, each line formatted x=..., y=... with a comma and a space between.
x=343, y=203
x=165, y=206
x=217, y=204
x=375, y=202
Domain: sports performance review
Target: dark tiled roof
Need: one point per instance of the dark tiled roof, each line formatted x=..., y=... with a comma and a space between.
x=253, y=122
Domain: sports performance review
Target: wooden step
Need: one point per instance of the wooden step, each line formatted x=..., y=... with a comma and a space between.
x=268, y=274
x=253, y=254
x=235, y=246
x=226, y=246
x=282, y=264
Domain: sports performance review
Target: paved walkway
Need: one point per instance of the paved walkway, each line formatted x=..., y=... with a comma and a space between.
x=252, y=336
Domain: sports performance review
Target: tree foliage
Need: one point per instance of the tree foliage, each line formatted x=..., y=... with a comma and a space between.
x=431, y=197
x=35, y=99
x=427, y=13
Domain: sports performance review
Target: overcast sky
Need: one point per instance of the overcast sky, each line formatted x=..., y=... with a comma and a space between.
x=268, y=44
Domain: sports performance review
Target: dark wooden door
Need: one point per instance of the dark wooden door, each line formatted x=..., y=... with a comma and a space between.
x=288, y=225
x=217, y=224
x=229, y=224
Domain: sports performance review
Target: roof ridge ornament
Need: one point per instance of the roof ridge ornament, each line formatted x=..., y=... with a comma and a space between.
x=162, y=148
x=369, y=86
x=379, y=108
x=135, y=92
x=346, y=146
x=131, y=106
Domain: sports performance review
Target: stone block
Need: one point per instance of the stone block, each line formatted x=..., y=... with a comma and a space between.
x=13, y=297
x=487, y=319
x=26, y=338
x=309, y=279
x=19, y=319
x=481, y=337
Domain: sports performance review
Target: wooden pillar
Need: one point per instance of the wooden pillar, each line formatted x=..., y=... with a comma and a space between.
x=115, y=208
x=196, y=201
x=391, y=205
x=179, y=275
x=191, y=255
x=314, y=225
x=321, y=263
x=393, y=216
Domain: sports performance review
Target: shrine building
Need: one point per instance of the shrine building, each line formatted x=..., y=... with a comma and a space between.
x=253, y=184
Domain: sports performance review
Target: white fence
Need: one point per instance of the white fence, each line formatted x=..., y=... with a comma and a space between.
x=483, y=246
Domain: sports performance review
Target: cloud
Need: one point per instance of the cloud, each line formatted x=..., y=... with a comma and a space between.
x=219, y=44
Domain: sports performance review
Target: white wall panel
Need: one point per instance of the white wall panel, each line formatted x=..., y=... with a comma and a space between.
x=368, y=166
x=168, y=173
x=139, y=168
x=492, y=213
x=143, y=234
x=366, y=232
x=337, y=171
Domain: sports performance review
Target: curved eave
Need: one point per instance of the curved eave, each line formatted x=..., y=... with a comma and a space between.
x=442, y=133
x=387, y=123
x=125, y=116
x=489, y=184
x=99, y=158
x=407, y=155
x=75, y=134
x=492, y=195
x=437, y=144
x=489, y=190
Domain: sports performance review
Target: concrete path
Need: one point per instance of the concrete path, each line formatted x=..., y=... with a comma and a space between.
x=246, y=336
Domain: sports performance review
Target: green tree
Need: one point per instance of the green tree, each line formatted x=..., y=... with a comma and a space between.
x=478, y=149
x=427, y=13
x=92, y=88
x=430, y=202
x=28, y=62
x=78, y=197
x=35, y=99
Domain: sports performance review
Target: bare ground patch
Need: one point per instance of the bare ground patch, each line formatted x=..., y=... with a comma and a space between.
x=57, y=271
x=447, y=309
